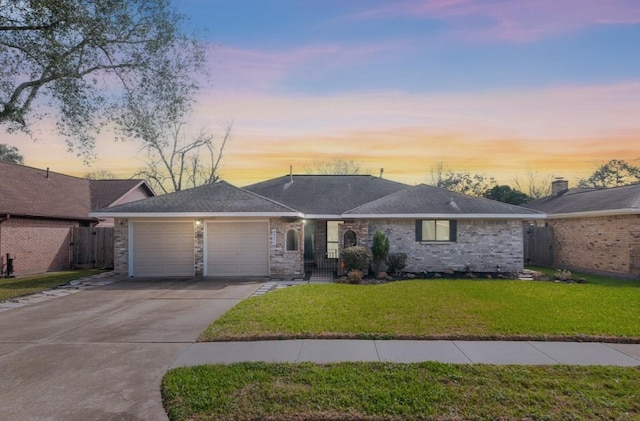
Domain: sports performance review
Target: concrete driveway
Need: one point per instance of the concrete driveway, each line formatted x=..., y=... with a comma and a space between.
x=100, y=354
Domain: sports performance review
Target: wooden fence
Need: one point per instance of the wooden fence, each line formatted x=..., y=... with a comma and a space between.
x=538, y=246
x=92, y=247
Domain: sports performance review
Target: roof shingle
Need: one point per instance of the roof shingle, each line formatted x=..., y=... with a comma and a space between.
x=423, y=199
x=36, y=192
x=594, y=200
x=220, y=197
x=326, y=194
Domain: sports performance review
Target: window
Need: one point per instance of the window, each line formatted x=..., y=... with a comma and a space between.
x=436, y=230
x=333, y=239
x=349, y=239
x=292, y=240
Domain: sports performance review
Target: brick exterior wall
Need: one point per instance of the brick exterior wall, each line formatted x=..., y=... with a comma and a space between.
x=608, y=244
x=36, y=245
x=121, y=247
x=198, y=248
x=481, y=246
x=283, y=263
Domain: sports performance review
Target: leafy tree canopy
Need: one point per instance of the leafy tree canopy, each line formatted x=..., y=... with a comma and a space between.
x=506, y=194
x=461, y=182
x=614, y=173
x=10, y=154
x=86, y=60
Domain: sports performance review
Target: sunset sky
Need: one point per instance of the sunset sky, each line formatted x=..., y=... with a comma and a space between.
x=499, y=87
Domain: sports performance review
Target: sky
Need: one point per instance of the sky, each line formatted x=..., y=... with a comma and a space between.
x=504, y=88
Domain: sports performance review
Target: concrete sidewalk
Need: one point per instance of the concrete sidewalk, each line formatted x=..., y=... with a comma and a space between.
x=461, y=352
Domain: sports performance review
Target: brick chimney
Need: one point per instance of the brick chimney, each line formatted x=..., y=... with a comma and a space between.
x=559, y=186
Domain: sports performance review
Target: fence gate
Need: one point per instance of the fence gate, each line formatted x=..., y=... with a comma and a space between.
x=538, y=246
x=92, y=247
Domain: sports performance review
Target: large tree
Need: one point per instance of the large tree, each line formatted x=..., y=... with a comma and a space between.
x=10, y=154
x=614, y=173
x=85, y=60
x=461, y=181
x=176, y=161
x=534, y=184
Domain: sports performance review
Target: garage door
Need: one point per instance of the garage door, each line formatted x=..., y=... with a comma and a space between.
x=237, y=249
x=163, y=249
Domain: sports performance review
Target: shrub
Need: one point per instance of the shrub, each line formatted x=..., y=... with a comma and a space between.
x=379, y=249
x=396, y=262
x=355, y=276
x=356, y=257
x=562, y=274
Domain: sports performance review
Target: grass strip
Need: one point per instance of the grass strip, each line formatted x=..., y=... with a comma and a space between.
x=24, y=285
x=430, y=309
x=590, y=278
x=391, y=391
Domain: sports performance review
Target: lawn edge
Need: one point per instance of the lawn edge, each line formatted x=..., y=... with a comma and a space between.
x=520, y=338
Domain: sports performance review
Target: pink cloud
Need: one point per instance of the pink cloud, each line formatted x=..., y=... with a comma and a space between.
x=247, y=70
x=515, y=20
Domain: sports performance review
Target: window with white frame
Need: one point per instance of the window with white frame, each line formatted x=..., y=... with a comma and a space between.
x=333, y=239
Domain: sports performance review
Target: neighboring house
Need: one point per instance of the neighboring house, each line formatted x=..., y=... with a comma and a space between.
x=107, y=193
x=594, y=230
x=39, y=207
x=286, y=226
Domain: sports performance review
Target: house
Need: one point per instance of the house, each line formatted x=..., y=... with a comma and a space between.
x=594, y=230
x=287, y=226
x=39, y=207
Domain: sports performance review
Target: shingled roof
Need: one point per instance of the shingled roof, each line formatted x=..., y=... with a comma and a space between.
x=428, y=201
x=615, y=200
x=106, y=192
x=326, y=194
x=29, y=191
x=219, y=198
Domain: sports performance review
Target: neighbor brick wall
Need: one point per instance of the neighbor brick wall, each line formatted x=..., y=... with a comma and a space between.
x=37, y=245
x=481, y=245
x=283, y=263
x=121, y=247
x=603, y=244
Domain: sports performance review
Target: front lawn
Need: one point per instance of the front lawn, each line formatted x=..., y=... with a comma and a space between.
x=389, y=391
x=23, y=285
x=430, y=309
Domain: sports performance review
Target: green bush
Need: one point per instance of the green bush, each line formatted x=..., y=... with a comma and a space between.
x=379, y=249
x=396, y=262
x=356, y=257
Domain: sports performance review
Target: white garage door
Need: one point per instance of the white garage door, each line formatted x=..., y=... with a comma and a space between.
x=163, y=249
x=238, y=248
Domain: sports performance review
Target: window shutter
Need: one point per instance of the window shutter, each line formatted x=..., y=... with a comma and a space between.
x=453, y=230
x=418, y=230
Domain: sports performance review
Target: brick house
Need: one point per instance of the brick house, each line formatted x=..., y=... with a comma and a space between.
x=287, y=226
x=594, y=230
x=38, y=209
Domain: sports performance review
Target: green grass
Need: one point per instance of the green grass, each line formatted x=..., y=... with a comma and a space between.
x=430, y=309
x=592, y=279
x=389, y=391
x=23, y=285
